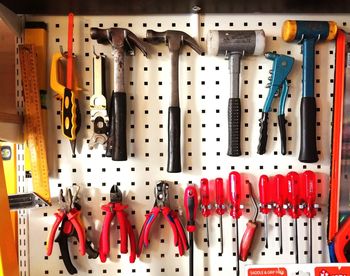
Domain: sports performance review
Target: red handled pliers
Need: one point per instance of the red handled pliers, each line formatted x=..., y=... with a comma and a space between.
x=161, y=204
x=116, y=208
x=68, y=210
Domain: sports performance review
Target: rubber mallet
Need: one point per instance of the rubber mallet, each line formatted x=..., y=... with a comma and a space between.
x=233, y=45
x=308, y=33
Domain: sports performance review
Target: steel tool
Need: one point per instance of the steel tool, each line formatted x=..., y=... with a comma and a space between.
x=234, y=45
x=98, y=105
x=174, y=40
x=279, y=193
x=249, y=232
x=205, y=203
x=293, y=190
x=278, y=86
x=116, y=208
x=162, y=205
x=235, y=189
x=265, y=201
x=191, y=205
x=308, y=33
x=220, y=207
x=123, y=42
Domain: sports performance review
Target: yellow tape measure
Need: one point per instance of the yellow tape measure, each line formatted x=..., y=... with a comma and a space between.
x=33, y=122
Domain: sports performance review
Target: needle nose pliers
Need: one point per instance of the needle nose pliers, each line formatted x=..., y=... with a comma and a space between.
x=116, y=208
x=162, y=205
x=281, y=67
x=68, y=216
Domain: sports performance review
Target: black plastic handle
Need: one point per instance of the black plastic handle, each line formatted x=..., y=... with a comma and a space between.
x=308, y=150
x=174, y=135
x=234, y=127
x=264, y=121
x=282, y=126
x=118, y=130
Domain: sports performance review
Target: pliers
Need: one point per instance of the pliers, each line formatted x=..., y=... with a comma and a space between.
x=278, y=86
x=116, y=208
x=68, y=216
x=162, y=205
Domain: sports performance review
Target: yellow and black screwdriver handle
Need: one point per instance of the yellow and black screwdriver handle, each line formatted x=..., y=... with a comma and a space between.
x=69, y=102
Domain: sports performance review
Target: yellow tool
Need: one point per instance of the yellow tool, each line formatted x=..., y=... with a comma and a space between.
x=70, y=113
x=8, y=248
x=33, y=123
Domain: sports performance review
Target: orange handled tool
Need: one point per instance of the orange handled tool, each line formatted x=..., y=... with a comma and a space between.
x=293, y=191
x=265, y=200
x=279, y=196
x=205, y=203
x=249, y=232
x=220, y=207
x=234, y=188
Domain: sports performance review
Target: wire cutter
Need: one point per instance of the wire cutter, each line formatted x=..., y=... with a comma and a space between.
x=162, y=205
x=116, y=208
x=278, y=86
x=68, y=216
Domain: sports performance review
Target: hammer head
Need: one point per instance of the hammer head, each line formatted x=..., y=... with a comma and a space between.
x=243, y=42
x=119, y=38
x=173, y=39
x=295, y=30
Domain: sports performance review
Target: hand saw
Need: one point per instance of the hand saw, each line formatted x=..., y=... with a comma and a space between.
x=339, y=209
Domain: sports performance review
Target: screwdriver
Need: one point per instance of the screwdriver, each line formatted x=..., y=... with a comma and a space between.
x=191, y=205
x=264, y=194
x=309, y=198
x=249, y=232
x=234, y=188
x=293, y=194
x=280, y=200
x=205, y=203
x=220, y=206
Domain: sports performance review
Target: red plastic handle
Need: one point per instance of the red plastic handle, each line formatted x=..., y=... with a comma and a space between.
x=234, y=188
x=220, y=196
x=74, y=217
x=279, y=194
x=247, y=240
x=205, y=199
x=309, y=188
x=59, y=217
x=104, y=237
x=264, y=193
x=123, y=232
x=191, y=205
x=341, y=239
x=293, y=192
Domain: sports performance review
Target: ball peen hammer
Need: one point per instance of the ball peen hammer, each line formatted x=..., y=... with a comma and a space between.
x=174, y=40
x=123, y=42
x=233, y=45
x=308, y=33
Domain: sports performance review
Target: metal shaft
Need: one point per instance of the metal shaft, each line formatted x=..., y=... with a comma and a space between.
x=221, y=236
x=206, y=222
x=191, y=254
x=310, y=240
x=237, y=249
x=234, y=64
x=280, y=234
x=174, y=99
x=118, y=72
x=296, y=241
x=266, y=232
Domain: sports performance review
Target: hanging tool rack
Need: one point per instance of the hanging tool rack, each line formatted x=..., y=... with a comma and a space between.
x=203, y=97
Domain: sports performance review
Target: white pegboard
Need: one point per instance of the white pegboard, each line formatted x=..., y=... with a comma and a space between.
x=204, y=92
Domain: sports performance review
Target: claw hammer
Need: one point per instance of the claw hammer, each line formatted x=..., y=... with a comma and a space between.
x=122, y=41
x=174, y=40
x=308, y=33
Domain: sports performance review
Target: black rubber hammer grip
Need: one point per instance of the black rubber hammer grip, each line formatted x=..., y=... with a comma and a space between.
x=118, y=114
x=308, y=150
x=234, y=127
x=174, y=143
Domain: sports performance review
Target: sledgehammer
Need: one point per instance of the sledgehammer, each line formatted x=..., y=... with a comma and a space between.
x=308, y=33
x=233, y=45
